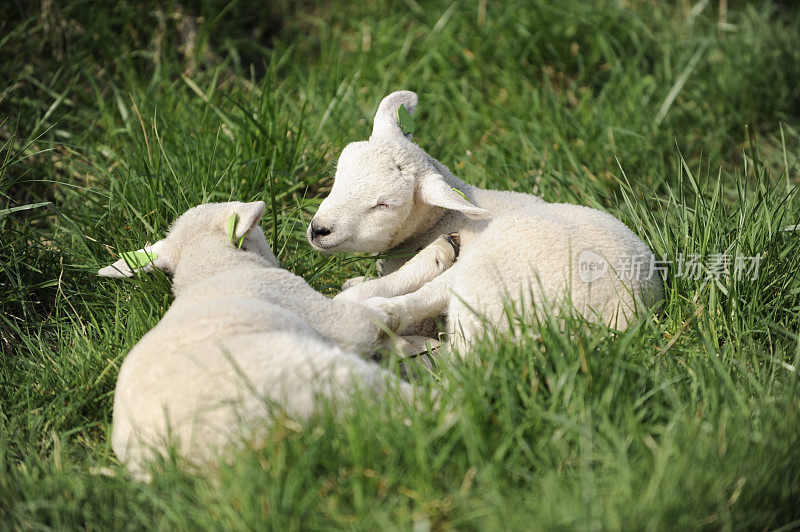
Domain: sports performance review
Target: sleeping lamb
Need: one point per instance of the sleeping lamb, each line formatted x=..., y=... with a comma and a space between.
x=516, y=249
x=242, y=335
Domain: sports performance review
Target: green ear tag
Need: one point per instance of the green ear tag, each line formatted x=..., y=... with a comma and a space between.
x=138, y=259
x=405, y=120
x=232, y=231
x=461, y=193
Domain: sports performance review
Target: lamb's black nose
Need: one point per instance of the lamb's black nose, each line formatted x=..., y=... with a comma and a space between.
x=318, y=230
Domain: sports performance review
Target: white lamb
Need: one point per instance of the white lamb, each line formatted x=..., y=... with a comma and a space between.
x=389, y=194
x=242, y=335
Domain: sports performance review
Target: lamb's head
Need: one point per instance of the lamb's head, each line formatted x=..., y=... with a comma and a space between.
x=232, y=224
x=385, y=188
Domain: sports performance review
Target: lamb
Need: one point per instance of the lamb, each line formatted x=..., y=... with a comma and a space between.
x=241, y=335
x=516, y=249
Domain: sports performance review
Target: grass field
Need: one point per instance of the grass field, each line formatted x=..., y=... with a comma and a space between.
x=679, y=118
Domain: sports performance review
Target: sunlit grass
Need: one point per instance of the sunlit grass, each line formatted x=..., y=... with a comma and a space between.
x=681, y=123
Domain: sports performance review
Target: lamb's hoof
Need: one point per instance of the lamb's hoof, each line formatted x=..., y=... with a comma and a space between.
x=415, y=345
x=446, y=249
x=454, y=239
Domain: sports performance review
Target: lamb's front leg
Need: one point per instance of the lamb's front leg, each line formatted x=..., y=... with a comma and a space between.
x=423, y=267
x=352, y=325
x=429, y=301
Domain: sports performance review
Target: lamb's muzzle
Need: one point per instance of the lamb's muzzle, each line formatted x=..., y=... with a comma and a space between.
x=316, y=231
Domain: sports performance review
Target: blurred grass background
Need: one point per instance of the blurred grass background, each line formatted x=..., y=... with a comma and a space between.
x=678, y=117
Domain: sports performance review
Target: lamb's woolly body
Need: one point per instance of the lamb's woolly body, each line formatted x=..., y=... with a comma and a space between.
x=241, y=337
x=529, y=256
x=350, y=325
x=515, y=248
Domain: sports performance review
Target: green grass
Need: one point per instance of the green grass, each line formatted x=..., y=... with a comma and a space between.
x=675, y=118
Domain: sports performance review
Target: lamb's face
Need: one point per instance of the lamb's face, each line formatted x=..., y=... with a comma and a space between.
x=371, y=200
x=384, y=187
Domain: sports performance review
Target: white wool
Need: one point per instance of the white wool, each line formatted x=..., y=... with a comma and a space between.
x=388, y=195
x=241, y=337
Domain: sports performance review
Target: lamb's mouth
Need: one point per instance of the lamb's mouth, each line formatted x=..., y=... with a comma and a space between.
x=327, y=247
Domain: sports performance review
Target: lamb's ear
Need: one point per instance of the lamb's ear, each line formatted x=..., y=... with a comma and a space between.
x=247, y=216
x=434, y=190
x=146, y=259
x=392, y=121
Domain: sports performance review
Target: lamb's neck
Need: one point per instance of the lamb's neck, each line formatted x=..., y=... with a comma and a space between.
x=199, y=262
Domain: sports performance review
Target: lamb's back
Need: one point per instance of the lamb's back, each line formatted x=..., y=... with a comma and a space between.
x=541, y=249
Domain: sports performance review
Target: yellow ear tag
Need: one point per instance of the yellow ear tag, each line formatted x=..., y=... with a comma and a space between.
x=138, y=259
x=461, y=193
x=232, y=231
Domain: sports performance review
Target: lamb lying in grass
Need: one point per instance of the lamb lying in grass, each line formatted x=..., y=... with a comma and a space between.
x=516, y=249
x=241, y=335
